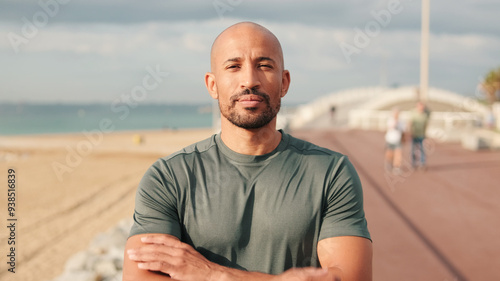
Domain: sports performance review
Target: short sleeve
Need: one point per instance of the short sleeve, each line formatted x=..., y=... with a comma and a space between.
x=156, y=203
x=343, y=213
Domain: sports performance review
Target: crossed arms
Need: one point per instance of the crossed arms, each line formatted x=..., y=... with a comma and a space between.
x=152, y=256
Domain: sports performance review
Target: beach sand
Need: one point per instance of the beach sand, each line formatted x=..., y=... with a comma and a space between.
x=71, y=187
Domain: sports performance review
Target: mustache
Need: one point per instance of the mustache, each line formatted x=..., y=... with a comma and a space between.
x=251, y=91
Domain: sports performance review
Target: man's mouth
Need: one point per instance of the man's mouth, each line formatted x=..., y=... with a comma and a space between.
x=250, y=100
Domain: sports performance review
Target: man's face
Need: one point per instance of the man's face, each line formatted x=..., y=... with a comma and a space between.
x=248, y=71
x=420, y=107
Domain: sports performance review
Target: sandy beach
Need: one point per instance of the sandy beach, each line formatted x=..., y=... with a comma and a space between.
x=71, y=187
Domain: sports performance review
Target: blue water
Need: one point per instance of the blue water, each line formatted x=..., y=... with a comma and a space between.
x=22, y=119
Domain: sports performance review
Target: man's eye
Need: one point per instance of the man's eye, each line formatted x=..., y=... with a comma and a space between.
x=266, y=66
x=232, y=66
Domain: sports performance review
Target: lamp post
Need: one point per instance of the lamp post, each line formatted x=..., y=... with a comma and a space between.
x=424, y=52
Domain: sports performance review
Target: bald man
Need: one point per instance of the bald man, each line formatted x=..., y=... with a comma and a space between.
x=252, y=202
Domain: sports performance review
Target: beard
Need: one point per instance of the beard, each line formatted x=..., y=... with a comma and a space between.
x=251, y=118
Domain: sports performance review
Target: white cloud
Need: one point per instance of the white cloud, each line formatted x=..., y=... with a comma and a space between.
x=467, y=48
x=104, y=58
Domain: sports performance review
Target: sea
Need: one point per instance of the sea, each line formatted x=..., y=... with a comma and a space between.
x=34, y=119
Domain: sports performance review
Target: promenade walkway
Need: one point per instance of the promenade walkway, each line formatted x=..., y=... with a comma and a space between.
x=441, y=224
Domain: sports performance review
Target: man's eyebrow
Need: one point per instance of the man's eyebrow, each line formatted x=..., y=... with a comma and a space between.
x=236, y=59
x=265, y=58
x=259, y=59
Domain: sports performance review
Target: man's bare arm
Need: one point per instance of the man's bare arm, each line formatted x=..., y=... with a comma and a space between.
x=148, y=256
x=350, y=256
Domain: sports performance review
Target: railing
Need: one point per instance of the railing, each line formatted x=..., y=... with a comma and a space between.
x=445, y=126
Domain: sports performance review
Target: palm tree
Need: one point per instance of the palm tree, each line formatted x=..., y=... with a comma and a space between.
x=491, y=85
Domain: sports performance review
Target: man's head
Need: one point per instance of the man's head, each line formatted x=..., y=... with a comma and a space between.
x=395, y=112
x=247, y=75
x=420, y=106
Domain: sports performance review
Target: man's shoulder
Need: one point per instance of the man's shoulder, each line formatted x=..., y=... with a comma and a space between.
x=196, y=148
x=307, y=148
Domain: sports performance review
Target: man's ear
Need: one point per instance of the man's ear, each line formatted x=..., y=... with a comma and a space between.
x=285, y=82
x=211, y=85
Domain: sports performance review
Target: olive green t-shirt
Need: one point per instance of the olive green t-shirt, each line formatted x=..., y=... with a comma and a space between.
x=261, y=213
x=418, y=123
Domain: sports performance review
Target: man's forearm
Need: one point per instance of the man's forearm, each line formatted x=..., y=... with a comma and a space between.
x=296, y=274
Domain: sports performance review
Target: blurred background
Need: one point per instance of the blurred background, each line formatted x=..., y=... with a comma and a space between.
x=94, y=52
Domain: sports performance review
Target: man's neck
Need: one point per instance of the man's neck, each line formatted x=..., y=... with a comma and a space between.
x=250, y=141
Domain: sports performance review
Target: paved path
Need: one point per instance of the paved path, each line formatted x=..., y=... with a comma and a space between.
x=441, y=224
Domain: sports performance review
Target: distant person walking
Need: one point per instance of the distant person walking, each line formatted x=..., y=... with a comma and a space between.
x=332, y=114
x=418, y=126
x=490, y=120
x=394, y=138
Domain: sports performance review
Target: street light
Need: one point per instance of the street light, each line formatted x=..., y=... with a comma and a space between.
x=424, y=52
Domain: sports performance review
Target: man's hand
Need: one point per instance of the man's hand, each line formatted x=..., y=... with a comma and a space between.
x=167, y=254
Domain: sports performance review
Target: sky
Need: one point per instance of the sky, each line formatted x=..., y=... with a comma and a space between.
x=152, y=51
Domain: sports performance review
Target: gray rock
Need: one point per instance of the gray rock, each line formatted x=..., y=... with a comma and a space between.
x=106, y=268
x=103, y=260
x=77, y=262
x=78, y=276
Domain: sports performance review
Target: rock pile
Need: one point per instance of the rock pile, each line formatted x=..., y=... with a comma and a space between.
x=103, y=259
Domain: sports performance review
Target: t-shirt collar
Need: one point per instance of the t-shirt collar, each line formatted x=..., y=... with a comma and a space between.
x=244, y=158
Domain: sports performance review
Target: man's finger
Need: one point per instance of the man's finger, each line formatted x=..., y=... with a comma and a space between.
x=167, y=240
x=147, y=256
x=155, y=266
x=158, y=249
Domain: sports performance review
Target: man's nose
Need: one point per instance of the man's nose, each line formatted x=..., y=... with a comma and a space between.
x=250, y=79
